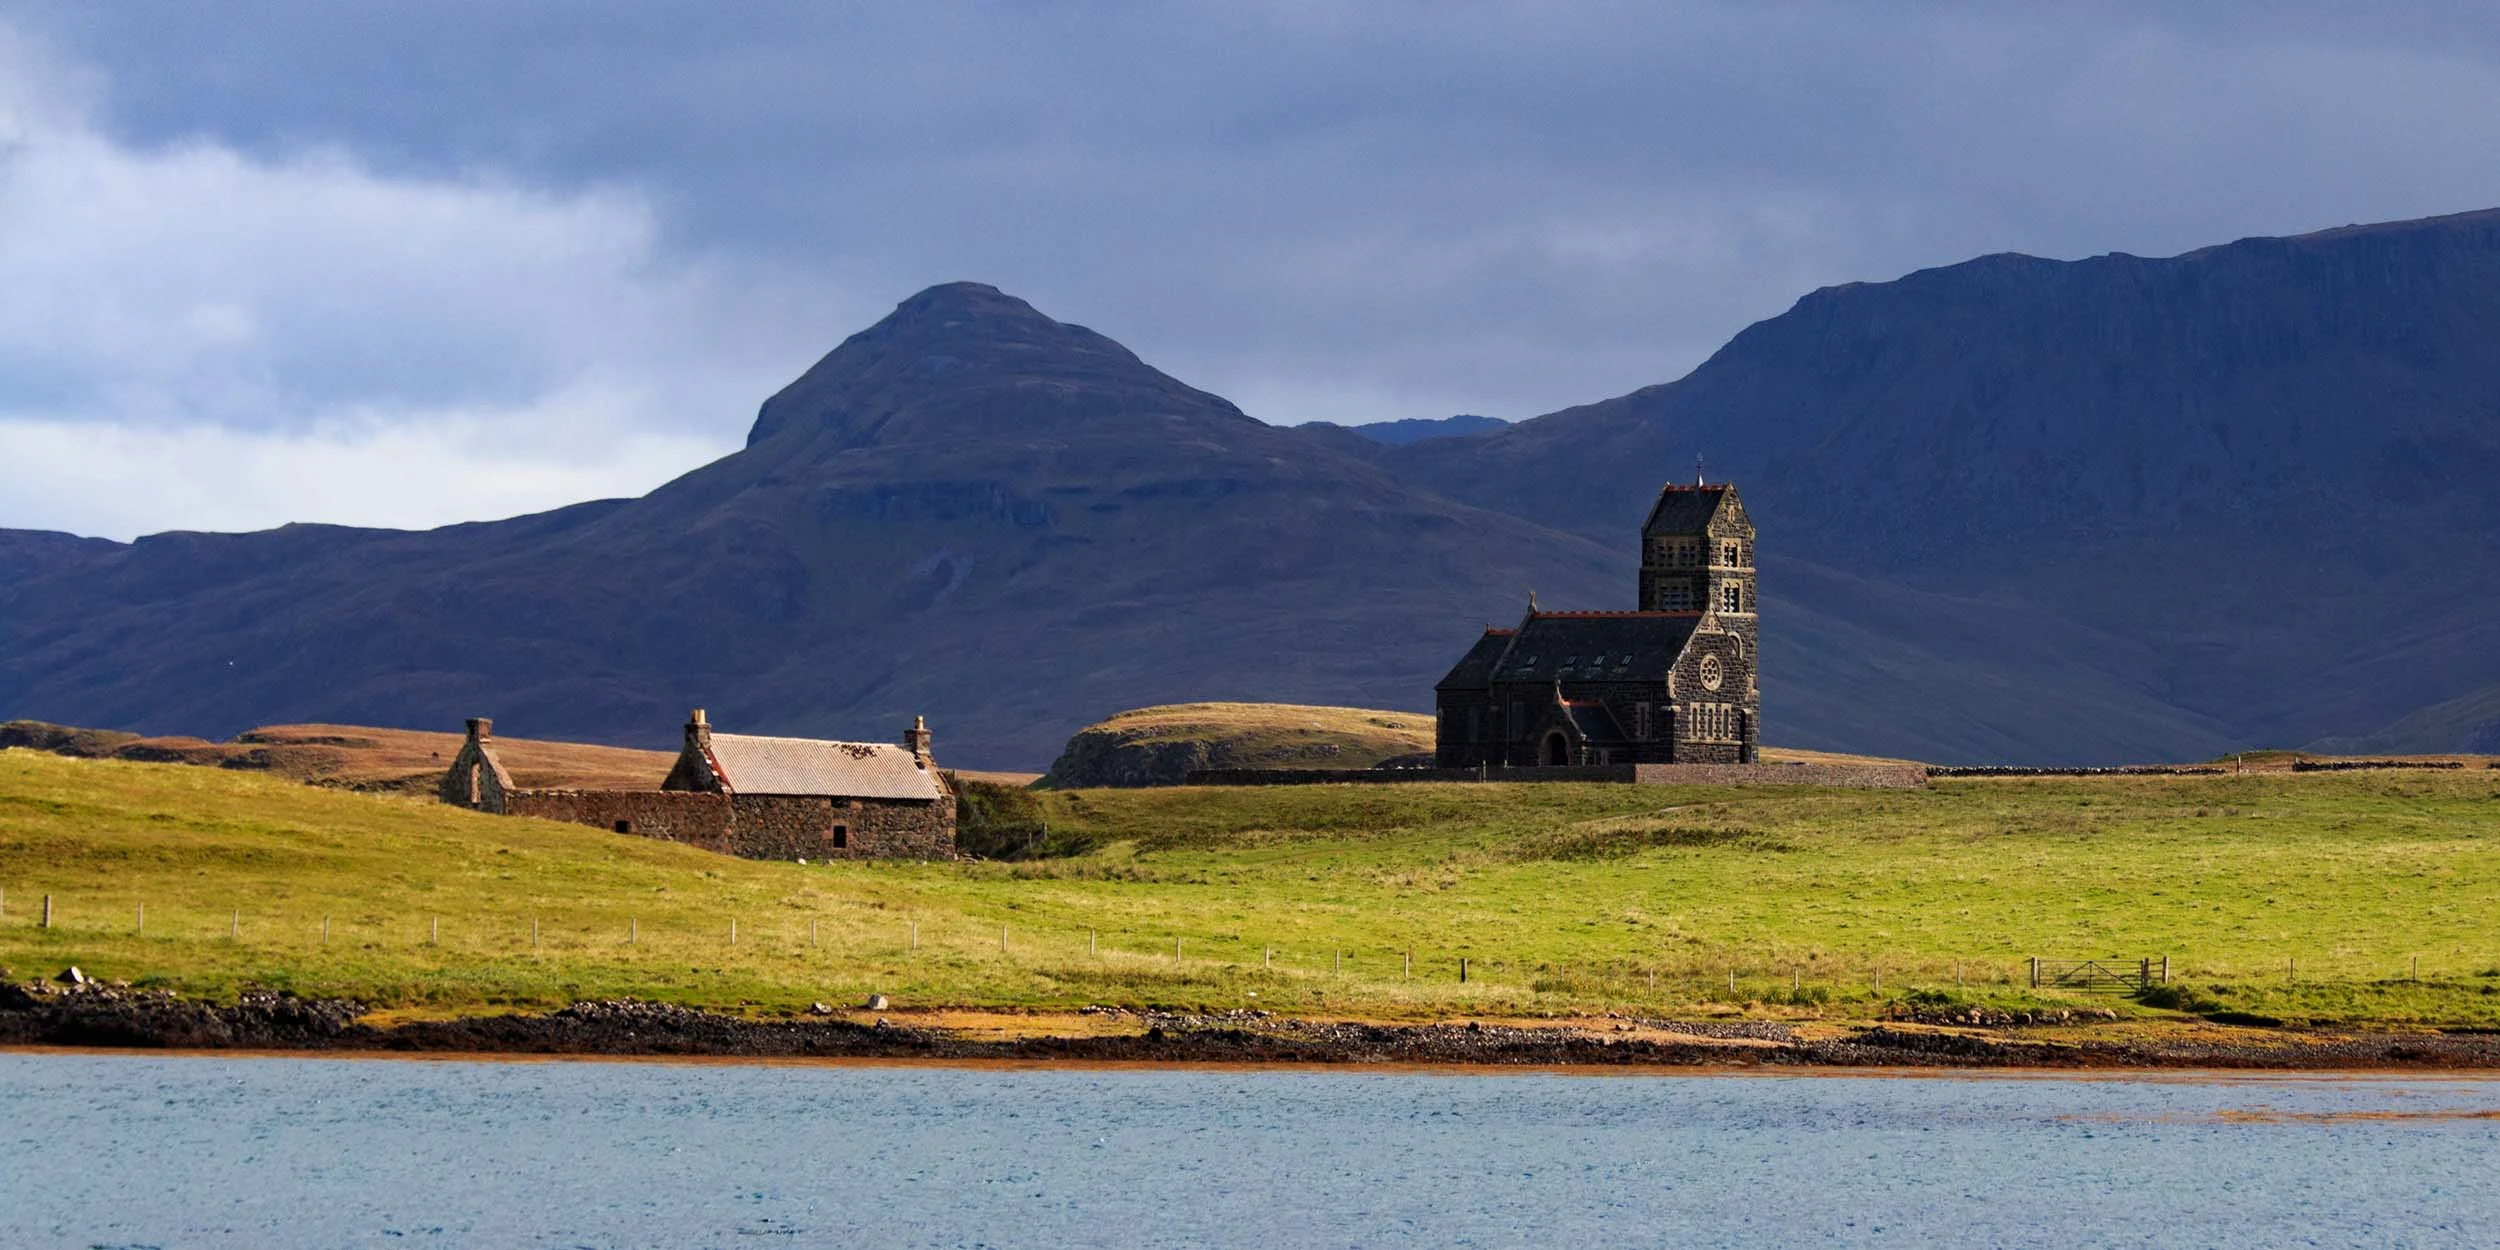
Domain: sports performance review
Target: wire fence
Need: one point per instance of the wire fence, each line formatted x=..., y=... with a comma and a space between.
x=879, y=934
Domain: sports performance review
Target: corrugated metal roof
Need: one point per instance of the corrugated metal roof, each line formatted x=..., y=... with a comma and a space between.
x=812, y=766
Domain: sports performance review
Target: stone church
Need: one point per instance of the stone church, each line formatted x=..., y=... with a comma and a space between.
x=1670, y=683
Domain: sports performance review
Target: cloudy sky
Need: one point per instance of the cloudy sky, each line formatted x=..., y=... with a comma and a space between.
x=408, y=264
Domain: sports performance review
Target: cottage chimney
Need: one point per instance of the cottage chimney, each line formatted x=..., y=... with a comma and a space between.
x=916, y=740
x=481, y=728
x=698, y=732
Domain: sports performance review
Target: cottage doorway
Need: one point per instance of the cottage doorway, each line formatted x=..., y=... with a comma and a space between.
x=1556, y=752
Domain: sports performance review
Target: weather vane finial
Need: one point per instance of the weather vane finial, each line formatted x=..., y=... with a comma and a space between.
x=1698, y=479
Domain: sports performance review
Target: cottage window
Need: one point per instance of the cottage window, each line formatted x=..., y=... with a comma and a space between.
x=841, y=835
x=624, y=826
x=1640, y=721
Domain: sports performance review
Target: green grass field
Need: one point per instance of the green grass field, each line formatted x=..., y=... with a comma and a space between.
x=1564, y=899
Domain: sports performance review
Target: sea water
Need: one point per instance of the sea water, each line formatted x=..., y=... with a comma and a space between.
x=118, y=1150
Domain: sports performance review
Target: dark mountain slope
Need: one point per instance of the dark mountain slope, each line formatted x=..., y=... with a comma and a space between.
x=968, y=510
x=2267, y=473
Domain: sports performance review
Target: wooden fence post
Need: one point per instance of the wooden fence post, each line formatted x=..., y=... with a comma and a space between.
x=234, y=931
x=2417, y=967
x=915, y=935
x=1410, y=963
x=1002, y=939
x=2035, y=972
x=2165, y=969
x=325, y=930
x=533, y=932
x=47, y=911
x=1090, y=936
x=434, y=934
x=141, y=928
x=1340, y=962
x=733, y=930
x=633, y=930
x=1462, y=970
x=1176, y=950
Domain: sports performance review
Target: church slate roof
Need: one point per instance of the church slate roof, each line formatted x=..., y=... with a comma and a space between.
x=1475, y=668
x=1684, y=509
x=1594, y=646
x=814, y=767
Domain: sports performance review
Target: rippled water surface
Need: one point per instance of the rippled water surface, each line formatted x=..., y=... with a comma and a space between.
x=109, y=1150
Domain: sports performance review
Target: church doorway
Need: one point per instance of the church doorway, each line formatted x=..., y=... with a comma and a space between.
x=1556, y=752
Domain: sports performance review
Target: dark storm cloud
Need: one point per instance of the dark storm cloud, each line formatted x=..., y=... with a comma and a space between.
x=1349, y=212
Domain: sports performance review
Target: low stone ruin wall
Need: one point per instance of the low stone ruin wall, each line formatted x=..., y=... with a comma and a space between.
x=757, y=826
x=1852, y=776
x=695, y=819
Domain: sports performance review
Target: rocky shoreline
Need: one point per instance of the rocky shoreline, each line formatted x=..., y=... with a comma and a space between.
x=99, y=1015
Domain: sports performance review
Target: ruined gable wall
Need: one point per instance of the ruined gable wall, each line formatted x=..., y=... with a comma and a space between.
x=476, y=779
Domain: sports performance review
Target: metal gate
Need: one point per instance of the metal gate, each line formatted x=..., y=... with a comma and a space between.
x=2099, y=976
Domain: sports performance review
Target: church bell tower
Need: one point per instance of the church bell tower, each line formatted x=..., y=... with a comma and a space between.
x=1697, y=556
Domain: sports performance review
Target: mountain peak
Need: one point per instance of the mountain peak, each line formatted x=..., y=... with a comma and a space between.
x=954, y=302
x=966, y=359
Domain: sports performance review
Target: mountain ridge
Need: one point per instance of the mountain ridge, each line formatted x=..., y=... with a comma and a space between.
x=2014, y=510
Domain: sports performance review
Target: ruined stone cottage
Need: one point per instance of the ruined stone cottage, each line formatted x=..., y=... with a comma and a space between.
x=740, y=794
x=1671, y=682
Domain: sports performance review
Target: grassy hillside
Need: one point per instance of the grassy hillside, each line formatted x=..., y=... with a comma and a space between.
x=1159, y=745
x=1563, y=898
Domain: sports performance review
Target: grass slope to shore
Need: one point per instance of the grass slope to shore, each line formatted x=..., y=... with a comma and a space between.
x=2297, y=897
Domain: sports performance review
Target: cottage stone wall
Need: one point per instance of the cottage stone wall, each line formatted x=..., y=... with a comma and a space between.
x=775, y=826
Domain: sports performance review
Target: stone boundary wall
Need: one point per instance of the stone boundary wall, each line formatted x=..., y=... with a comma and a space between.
x=1852, y=776
x=2117, y=770
x=2347, y=766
